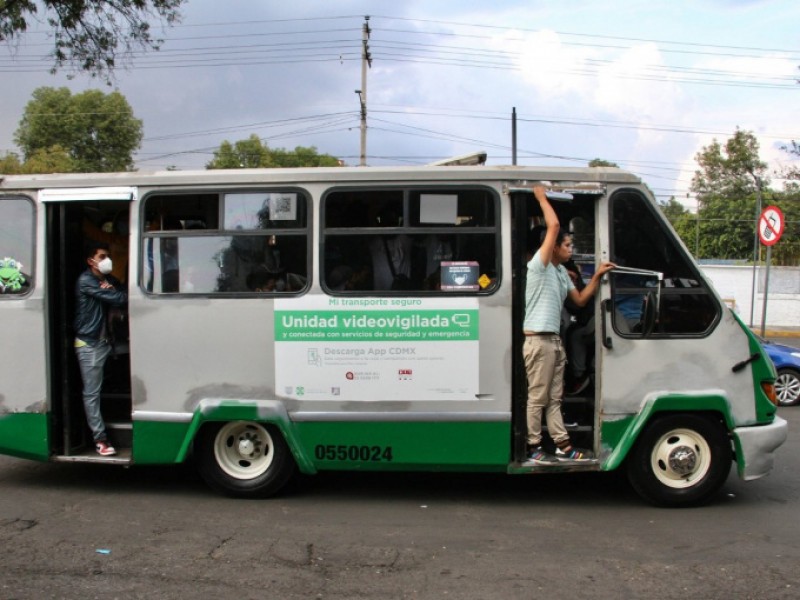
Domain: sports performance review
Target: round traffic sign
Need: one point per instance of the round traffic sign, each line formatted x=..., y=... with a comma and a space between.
x=770, y=225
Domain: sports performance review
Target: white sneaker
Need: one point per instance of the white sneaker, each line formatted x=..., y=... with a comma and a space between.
x=105, y=449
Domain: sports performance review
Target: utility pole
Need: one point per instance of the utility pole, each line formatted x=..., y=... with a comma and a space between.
x=366, y=60
x=754, y=290
x=514, y=135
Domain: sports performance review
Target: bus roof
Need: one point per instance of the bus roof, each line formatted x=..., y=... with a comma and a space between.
x=319, y=174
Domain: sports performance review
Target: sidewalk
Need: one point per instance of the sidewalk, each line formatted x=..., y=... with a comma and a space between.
x=777, y=332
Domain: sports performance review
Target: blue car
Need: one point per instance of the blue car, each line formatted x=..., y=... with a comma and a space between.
x=787, y=363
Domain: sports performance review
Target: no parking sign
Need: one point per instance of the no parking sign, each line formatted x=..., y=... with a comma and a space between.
x=770, y=225
x=770, y=228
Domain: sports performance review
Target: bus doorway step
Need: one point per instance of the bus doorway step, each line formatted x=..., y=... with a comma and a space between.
x=566, y=466
x=122, y=457
x=120, y=434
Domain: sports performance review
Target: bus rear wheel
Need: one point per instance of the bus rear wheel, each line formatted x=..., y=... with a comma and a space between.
x=243, y=458
x=680, y=460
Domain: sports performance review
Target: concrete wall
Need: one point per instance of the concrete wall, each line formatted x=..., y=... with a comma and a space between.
x=735, y=285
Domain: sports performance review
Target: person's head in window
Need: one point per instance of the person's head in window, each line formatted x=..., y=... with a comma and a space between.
x=340, y=278
x=262, y=281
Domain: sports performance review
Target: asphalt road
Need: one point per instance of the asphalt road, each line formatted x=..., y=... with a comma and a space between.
x=83, y=531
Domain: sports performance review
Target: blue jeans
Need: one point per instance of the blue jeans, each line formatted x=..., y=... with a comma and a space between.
x=91, y=359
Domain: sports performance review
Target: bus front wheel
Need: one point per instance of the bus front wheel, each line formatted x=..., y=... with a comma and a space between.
x=244, y=459
x=680, y=460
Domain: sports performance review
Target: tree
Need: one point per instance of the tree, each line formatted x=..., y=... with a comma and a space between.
x=673, y=210
x=10, y=164
x=46, y=160
x=726, y=186
x=54, y=159
x=253, y=153
x=599, y=162
x=97, y=130
x=684, y=222
x=90, y=35
x=244, y=154
x=787, y=250
x=793, y=172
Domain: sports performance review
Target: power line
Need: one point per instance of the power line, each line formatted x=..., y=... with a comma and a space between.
x=343, y=49
x=256, y=125
x=595, y=123
x=583, y=35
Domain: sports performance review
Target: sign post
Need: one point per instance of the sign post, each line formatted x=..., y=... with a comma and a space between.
x=770, y=228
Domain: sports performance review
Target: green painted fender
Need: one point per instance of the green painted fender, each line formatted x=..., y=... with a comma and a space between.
x=619, y=435
x=261, y=411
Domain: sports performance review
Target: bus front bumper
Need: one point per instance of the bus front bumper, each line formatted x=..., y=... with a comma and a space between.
x=755, y=447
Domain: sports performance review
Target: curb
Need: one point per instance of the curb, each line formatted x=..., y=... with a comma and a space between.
x=788, y=333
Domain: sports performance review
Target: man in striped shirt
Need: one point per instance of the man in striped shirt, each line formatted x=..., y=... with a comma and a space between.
x=547, y=286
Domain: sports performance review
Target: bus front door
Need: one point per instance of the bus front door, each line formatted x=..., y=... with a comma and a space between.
x=74, y=218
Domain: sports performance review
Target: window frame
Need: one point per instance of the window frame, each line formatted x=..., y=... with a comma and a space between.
x=307, y=230
x=33, y=246
x=703, y=289
x=412, y=231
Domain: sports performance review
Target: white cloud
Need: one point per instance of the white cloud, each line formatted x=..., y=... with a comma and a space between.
x=634, y=86
x=552, y=67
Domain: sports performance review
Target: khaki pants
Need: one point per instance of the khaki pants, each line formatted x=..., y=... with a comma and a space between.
x=544, y=364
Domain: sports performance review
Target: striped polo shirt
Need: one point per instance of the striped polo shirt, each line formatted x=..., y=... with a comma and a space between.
x=546, y=289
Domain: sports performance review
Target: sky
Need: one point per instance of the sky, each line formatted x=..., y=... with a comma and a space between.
x=644, y=84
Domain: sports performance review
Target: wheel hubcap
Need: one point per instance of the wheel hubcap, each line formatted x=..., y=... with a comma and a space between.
x=246, y=448
x=683, y=460
x=680, y=458
x=243, y=450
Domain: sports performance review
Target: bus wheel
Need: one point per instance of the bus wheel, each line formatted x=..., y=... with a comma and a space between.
x=680, y=460
x=244, y=459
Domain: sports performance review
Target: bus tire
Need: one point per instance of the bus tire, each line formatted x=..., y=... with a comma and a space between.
x=243, y=459
x=680, y=460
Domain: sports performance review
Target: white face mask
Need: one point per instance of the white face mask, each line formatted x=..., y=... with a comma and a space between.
x=105, y=266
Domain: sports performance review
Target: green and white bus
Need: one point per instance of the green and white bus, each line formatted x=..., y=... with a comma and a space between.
x=368, y=319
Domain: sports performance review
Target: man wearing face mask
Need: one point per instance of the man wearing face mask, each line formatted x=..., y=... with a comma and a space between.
x=95, y=291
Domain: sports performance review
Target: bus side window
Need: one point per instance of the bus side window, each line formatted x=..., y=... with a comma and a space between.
x=640, y=240
x=410, y=240
x=261, y=246
x=17, y=218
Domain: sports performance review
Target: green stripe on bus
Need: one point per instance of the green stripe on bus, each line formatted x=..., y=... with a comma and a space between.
x=25, y=435
x=158, y=442
x=389, y=445
x=361, y=445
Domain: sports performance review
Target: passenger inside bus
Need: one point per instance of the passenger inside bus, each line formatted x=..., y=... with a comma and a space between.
x=96, y=291
x=437, y=248
x=578, y=333
x=113, y=232
x=391, y=255
x=261, y=280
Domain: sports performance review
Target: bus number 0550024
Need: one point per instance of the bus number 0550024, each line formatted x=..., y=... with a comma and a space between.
x=353, y=453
